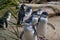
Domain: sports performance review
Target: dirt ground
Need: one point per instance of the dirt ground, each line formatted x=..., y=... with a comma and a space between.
x=54, y=34
x=51, y=34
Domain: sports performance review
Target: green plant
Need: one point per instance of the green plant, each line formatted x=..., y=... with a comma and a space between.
x=8, y=5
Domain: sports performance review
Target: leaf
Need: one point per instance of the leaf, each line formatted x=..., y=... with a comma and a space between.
x=5, y=4
x=13, y=13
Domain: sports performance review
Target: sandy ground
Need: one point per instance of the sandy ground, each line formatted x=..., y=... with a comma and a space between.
x=51, y=34
x=54, y=34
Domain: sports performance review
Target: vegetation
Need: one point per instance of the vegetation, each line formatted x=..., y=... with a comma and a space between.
x=10, y=5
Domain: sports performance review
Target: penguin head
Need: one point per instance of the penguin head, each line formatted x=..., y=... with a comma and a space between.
x=9, y=13
x=35, y=13
x=35, y=19
x=44, y=14
x=28, y=9
x=23, y=7
x=39, y=11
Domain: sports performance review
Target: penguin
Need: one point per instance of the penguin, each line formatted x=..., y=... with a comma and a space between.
x=21, y=14
x=4, y=20
x=42, y=24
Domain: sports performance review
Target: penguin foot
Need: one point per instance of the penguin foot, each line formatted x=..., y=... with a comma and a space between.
x=42, y=38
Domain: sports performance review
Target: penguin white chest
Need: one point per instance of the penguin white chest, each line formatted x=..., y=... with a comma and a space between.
x=9, y=17
x=35, y=20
